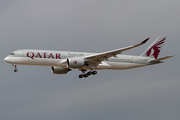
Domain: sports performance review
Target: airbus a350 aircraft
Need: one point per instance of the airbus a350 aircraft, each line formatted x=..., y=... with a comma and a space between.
x=63, y=61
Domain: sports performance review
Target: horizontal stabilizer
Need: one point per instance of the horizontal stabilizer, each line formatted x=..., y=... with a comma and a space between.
x=160, y=59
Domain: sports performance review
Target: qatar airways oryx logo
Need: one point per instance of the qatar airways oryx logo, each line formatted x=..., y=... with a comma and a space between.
x=33, y=55
x=75, y=62
x=155, y=49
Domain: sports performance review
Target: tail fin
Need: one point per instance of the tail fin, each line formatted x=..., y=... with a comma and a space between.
x=154, y=49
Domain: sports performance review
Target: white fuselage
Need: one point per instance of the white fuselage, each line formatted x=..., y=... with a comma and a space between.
x=64, y=61
x=57, y=58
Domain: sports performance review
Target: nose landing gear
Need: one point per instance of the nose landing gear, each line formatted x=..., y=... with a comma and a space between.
x=15, y=66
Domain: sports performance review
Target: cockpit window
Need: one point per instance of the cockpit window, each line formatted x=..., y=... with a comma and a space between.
x=12, y=54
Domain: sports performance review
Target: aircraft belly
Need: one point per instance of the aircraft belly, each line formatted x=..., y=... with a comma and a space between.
x=118, y=65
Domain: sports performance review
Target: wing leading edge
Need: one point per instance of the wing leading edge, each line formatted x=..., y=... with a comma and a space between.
x=95, y=59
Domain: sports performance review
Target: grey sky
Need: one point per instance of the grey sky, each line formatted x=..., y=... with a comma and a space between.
x=149, y=93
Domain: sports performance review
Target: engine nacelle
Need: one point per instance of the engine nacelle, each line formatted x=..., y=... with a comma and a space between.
x=75, y=62
x=59, y=70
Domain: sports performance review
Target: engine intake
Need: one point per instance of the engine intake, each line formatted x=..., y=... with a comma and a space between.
x=75, y=62
x=59, y=70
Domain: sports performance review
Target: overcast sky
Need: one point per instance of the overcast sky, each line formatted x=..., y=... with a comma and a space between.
x=34, y=93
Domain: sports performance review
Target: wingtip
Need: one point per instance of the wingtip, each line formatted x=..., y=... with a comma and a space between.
x=145, y=40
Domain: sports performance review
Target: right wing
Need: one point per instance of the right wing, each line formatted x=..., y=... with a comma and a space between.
x=96, y=59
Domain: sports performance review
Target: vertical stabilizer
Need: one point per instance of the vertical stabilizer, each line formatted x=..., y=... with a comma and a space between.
x=154, y=49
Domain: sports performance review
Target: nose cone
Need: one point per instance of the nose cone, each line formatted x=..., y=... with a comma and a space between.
x=6, y=59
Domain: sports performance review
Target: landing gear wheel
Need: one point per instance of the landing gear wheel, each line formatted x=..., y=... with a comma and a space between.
x=81, y=76
x=94, y=72
x=15, y=70
x=85, y=75
x=89, y=73
x=15, y=67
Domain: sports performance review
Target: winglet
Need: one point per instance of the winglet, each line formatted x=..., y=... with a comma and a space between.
x=142, y=42
x=145, y=40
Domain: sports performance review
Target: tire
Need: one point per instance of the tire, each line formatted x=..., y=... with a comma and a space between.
x=85, y=75
x=89, y=73
x=94, y=72
x=81, y=76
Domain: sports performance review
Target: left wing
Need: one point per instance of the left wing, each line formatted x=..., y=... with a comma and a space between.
x=96, y=59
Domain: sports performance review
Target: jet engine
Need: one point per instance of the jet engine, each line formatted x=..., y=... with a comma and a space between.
x=59, y=70
x=75, y=62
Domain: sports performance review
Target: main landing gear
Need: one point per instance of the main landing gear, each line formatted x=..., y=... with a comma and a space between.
x=15, y=66
x=85, y=75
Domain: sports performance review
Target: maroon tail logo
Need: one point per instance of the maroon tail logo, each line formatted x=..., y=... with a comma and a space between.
x=154, y=50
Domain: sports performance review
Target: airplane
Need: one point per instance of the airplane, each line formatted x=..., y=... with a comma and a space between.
x=62, y=62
